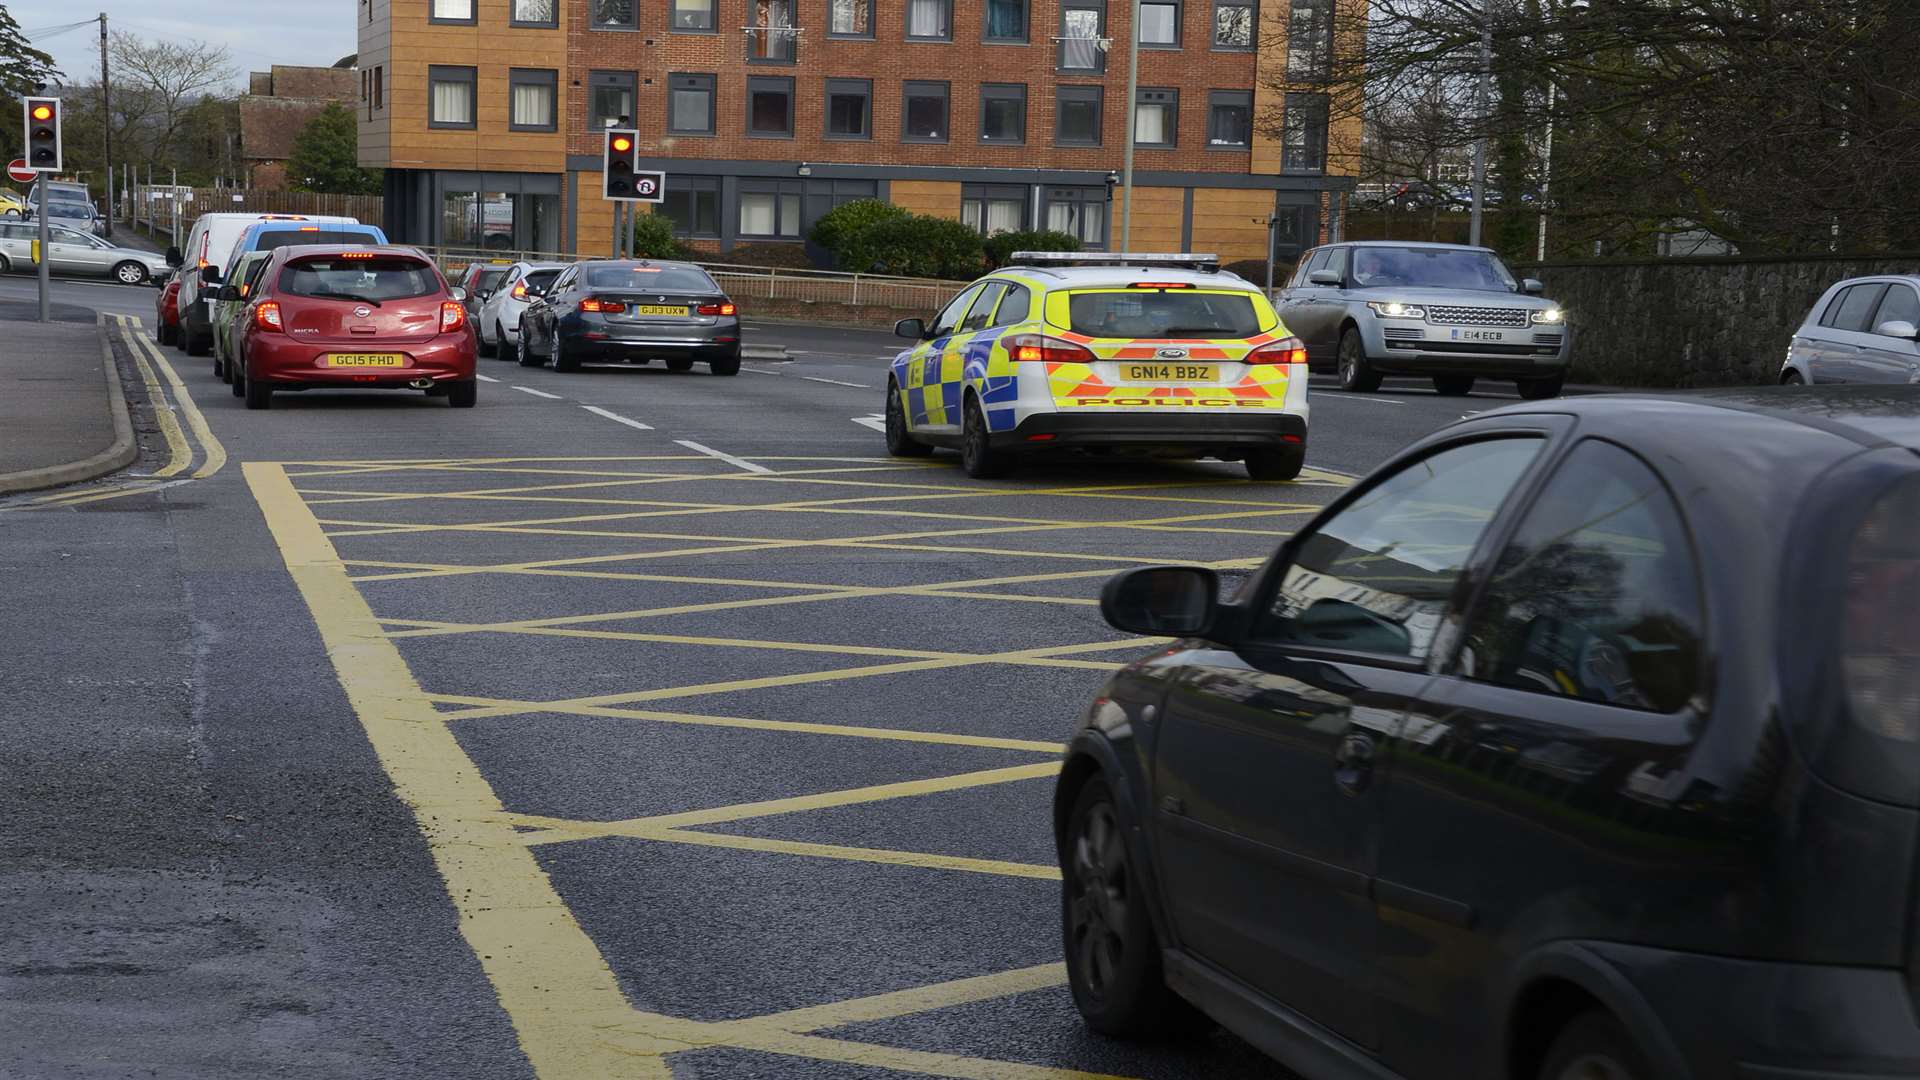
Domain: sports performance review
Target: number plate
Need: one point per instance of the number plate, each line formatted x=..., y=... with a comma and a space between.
x=1480, y=335
x=1138, y=373
x=385, y=359
x=660, y=309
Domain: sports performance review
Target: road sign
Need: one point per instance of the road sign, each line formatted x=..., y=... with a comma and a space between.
x=17, y=170
x=649, y=187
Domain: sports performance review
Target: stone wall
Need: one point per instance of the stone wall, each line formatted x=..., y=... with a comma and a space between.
x=1694, y=322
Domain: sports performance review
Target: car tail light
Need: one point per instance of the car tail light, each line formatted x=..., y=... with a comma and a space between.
x=716, y=309
x=266, y=316
x=453, y=316
x=1285, y=351
x=1880, y=641
x=1160, y=285
x=608, y=307
x=1051, y=350
x=519, y=291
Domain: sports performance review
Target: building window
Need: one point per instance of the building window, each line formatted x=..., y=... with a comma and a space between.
x=849, y=109
x=850, y=18
x=1006, y=20
x=930, y=20
x=1076, y=117
x=531, y=96
x=1083, y=28
x=1160, y=25
x=693, y=204
x=693, y=16
x=1230, y=119
x=770, y=106
x=1233, y=24
x=1156, y=118
x=609, y=99
x=994, y=208
x=690, y=104
x=613, y=14
x=923, y=112
x=770, y=209
x=451, y=90
x=1304, y=139
x=535, y=13
x=451, y=11
x=771, y=39
x=1310, y=41
x=1079, y=212
x=1003, y=113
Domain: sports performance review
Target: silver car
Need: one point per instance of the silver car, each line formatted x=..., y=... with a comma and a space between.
x=1447, y=311
x=70, y=251
x=498, y=319
x=1863, y=330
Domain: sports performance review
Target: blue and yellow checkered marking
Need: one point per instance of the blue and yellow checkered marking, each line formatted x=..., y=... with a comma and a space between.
x=933, y=391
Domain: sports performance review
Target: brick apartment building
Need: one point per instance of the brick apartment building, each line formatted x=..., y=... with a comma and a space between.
x=278, y=103
x=1005, y=114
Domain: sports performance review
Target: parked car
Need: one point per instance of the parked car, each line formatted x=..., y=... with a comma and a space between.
x=73, y=252
x=498, y=320
x=1450, y=312
x=480, y=279
x=166, y=314
x=632, y=311
x=335, y=316
x=209, y=249
x=12, y=205
x=68, y=204
x=1863, y=330
x=1568, y=744
x=230, y=304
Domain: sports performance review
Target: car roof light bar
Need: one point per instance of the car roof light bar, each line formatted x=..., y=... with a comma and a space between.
x=1067, y=259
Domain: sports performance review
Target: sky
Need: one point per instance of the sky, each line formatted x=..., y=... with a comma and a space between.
x=258, y=33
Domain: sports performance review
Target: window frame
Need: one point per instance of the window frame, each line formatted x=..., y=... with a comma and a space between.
x=1026, y=24
x=708, y=81
x=845, y=87
x=765, y=44
x=1080, y=195
x=1002, y=92
x=1099, y=7
x=695, y=185
x=514, y=19
x=1000, y=312
x=907, y=88
x=630, y=27
x=1323, y=70
x=619, y=80
x=1217, y=99
x=1253, y=35
x=1831, y=320
x=906, y=23
x=1317, y=146
x=1879, y=319
x=968, y=294
x=455, y=73
x=868, y=35
x=1172, y=101
x=1082, y=93
x=788, y=81
x=545, y=77
x=983, y=313
x=713, y=19
x=472, y=17
x=996, y=193
x=1179, y=17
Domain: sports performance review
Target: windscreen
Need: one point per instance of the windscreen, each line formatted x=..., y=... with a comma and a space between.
x=344, y=277
x=1138, y=313
x=1431, y=268
x=279, y=238
x=58, y=207
x=647, y=278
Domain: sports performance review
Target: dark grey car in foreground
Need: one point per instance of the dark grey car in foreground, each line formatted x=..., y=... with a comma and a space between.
x=631, y=311
x=1581, y=741
x=1862, y=330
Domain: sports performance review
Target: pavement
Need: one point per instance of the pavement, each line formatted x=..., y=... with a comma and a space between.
x=62, y=412
x=633, y=724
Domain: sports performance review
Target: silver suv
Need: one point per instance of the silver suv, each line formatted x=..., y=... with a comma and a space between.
x=1862, y=330
x=1455, y=313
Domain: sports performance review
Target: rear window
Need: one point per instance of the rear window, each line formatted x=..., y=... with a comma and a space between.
x=345, y=277
x=279, y=238
x=541, y=278
x=1132, y=313
x=643, y=278
x=489, y=278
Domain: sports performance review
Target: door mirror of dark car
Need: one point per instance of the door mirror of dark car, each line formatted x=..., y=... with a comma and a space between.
x=459, y=293
x=1532, y=287
x=210, y=275
x=1329, y=278
x=1339, y=624
x=229, y=292
x=1898, y=328
x=175, y=258
x=1166, y=601
x=911, y=329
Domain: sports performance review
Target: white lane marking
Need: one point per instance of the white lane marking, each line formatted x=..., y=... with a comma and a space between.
x=537, y=393
x=760, y=371
x=617, y=418
x=1311, y=394
x=738, y=463
x=876, y=422
x=486, y=378
x=837, y=382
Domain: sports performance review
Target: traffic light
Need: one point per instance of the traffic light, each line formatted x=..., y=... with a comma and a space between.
x=43, y=133
x=617, y=164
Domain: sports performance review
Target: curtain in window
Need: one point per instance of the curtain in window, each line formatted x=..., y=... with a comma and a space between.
x=693, y=14
x=1003, y=216
x=849, y=17
x=532, y=105
x=690, y=110
x=756, y=214
x=453, y=9
x=1078, y=50
x=613, y=12
x=452, y=103
x=970, y=214
x=533, y=10
x=1233, y=26
x=1150, y=124
x=926, y=18
x=1006, y=18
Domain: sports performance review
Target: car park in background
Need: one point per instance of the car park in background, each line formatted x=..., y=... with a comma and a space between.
x=632, y=312
x=498, y=318
x=1862, y=330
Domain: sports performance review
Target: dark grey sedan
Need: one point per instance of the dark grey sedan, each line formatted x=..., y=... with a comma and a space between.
x=631, y=312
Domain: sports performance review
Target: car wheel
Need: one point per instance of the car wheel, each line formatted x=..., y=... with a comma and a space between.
x=1355, y=373
x=165, y=334
x=12, y=212
x=219, y=369
x=1595, y=1047
x=1792, y=378
x=237, y=379
x=463, y=394
x=6, y=265
x=1282, y=464
x=1453, y=385
x=729, y=366
x=1113, y=957
x=1542, y=389
x=561, y=361
x=130, y=273
x=259, y=394
x=678, y=363
x=977, y=455
x=527, y=358
x=900, y=442
x=196, y=344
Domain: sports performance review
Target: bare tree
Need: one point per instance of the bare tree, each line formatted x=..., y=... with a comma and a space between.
x=162, y=82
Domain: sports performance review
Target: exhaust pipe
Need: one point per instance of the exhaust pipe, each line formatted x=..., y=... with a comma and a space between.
x=421, y=384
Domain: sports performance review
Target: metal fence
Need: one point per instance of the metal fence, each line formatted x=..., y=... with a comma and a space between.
x=162, y=207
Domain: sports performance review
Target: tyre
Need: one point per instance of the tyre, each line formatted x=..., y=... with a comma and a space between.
x=527, y=358
x=1542, y=389
x=463, y=394
x=1594, y=1046
x=166, y=334
x=1282, y=464
x=561, y=361
x=1355, y=373
x=1792, y=378
x=197, y=344
x=729, y=366
x=1113, y=956
x=977, y=455
x=678, y=363
x=259, y=394
x=1453, y=385
x=900, y=443
x=219, y=368
x=130, y=273
x=12, y=212
x=6, y=265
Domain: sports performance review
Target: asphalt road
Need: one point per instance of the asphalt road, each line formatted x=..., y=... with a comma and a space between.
x=631, y=724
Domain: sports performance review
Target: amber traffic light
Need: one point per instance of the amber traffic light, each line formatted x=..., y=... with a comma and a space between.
x=43, y=134
x=617, y=165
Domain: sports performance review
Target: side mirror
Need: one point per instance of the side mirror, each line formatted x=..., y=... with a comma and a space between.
x=229, y=292
x=911, y=329
x=459, y=293
x=210, y=275
x=1532, y=287
x=1165, y=601
x=1898, y=328
x=1329, y=278
x=175, y=258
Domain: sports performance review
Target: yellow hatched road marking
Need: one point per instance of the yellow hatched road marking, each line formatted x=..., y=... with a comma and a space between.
x=920, y=999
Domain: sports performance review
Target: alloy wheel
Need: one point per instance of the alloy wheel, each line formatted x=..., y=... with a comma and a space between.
x=1100, y=898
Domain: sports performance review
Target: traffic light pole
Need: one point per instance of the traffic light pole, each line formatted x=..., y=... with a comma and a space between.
x=46, y=276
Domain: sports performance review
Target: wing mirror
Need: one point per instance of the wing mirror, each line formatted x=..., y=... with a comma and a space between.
x=1533, y=287
x=1329, y=278
x=1898, y=328
x=175, y=258
x=228, y=292
x=1165, y=601
x=459, y=293
x=911, y=329
x=210, y=275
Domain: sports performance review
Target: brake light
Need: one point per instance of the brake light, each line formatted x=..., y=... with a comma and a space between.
x=356, y=255
x=519, y=292
x=609, y=307
x=1050, y=350
x=1285, y=351
x=1161, y=285
x=716, y=309
x=453, y=316
x=1881, y=639
x=266, y=316
x=309, y=228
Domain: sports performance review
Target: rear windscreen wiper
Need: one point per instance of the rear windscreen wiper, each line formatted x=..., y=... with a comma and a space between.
x=346, y=296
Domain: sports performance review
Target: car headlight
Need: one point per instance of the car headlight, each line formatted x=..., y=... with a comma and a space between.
x=1393, y=309
x=1550, y=317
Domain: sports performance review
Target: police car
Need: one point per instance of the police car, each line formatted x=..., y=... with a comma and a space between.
x=1160, y=355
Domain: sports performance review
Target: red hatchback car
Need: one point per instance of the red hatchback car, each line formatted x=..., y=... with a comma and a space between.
x=166, y=314
x=350, y=317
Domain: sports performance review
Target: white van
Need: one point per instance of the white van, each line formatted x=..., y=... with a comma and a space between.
x=210, y=248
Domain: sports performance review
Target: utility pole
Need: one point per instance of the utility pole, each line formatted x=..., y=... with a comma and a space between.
x=106, y=122
x=1480, y=118
x=1133, y=105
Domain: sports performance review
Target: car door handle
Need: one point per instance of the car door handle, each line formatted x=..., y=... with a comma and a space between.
x=1353, y=763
